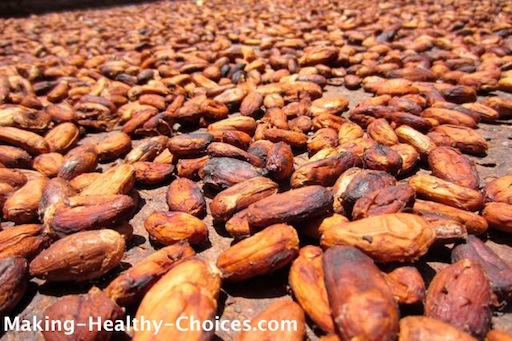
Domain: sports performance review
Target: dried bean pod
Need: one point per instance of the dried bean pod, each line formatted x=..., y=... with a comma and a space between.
x=324, y=172
x=14, y=157
x=62, y=137
x=279, y=161
x=498, y=215
x=152, y=173
x=423, y=328
x=26, y=140
x=79, y=257
x=460, y=295
x=451, y=165
x=117, y=180
x=171, y=227
x=79, y=308
x=406, y=284
x=465, y=139
x=499, y=189
x=23, y=240
x=385, y=238
x=80, y=213
x=113, y=147
x=48, y=164
x=131, y=286
x=390, y=199
x=264, y=252
x=474, y=223
x=446, y=192
x=189, y=144
x=362, y=304
x=382, y=132
x=82, y=159
x=307, y=283
x=288, y=207
x=184, y=195
x=240, y=196
x=381, y=157
x=13, y=282
x=223, y=172
x=496, y=270
x=219, y=149
x=356, y=182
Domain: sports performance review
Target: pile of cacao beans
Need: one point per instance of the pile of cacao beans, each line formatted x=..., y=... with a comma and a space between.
x=329, y=143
